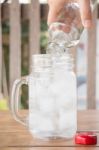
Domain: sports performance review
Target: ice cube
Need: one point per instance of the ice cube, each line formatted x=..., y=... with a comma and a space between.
x=39, y=88
x=58, y=84
x=46, y=103
x=55, y=88
x=32, y=91
x=42, y=86
x=65, y=102
x=67, y=97
x=40, y=123
x=44, y=80
x=67, y=119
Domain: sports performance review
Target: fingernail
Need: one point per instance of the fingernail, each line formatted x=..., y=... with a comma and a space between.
x=87, y=23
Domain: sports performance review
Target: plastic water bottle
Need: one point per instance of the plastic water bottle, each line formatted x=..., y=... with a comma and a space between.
x=65, y=32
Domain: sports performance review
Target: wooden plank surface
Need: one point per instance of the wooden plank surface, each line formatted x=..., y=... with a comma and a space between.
x=15, y=42
x=18, y=136
x=51, y=148
x=91, y=70
x=34, y=28
x=0, y=52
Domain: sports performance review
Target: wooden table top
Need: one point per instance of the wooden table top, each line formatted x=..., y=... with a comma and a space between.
x=14, y=136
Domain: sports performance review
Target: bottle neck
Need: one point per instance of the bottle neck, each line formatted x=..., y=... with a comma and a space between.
x=56, y=48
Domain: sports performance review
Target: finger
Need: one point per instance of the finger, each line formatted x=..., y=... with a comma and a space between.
x=52, y=15
x=86, y=14
x=54, y=9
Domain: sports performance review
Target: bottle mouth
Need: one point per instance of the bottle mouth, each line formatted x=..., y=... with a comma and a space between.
x=55, y=48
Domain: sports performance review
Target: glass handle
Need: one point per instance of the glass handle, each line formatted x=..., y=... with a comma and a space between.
x=15, y=98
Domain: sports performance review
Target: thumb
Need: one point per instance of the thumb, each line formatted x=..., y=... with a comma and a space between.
x=55, y=7
x=52, y=15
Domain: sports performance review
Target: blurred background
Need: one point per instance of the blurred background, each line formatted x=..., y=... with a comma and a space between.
x=23, y=31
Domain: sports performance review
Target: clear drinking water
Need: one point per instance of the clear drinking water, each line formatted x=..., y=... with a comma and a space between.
x=52, y=105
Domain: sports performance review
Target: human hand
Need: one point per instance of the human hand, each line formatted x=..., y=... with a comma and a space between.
x=55, y=7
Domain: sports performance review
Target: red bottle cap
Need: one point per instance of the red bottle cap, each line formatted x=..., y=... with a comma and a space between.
x=87, y=138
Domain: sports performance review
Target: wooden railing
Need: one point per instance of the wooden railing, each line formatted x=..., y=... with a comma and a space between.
x=15, y=12
x=0, y=53
x=91, y=68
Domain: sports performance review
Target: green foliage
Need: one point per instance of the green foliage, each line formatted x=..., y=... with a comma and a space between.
x=5, y=26
x=43, y=37
x=24, y=31
x=3, y=104
x=44, y=26
x=43, y=42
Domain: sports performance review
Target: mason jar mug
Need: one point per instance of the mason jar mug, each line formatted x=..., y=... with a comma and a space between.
x=52, y=97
